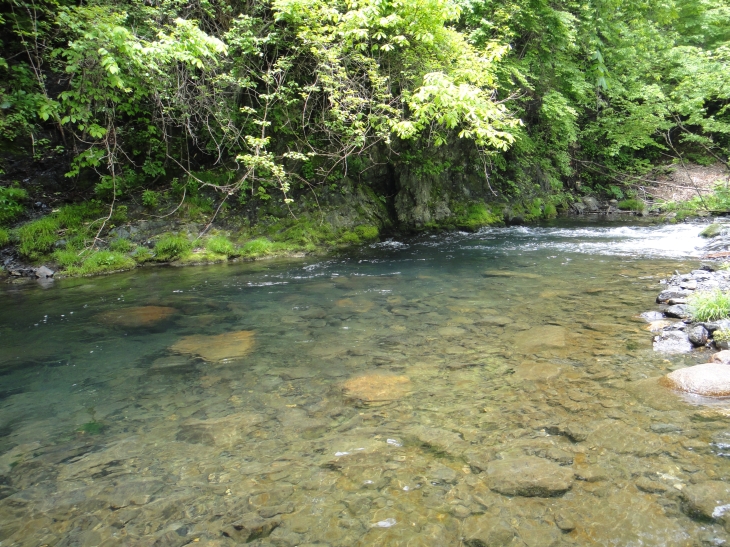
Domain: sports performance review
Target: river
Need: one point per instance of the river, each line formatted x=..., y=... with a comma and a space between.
x=389, y=397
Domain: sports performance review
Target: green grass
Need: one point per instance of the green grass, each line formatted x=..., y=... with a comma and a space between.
x=170, y=247
x=709, y=305
x=257, y=247
x=221, y=245
x=4, y=237
x=102, y=262
x=68, y=257
x=37, y=237
x=121, y=245
x=631, y=205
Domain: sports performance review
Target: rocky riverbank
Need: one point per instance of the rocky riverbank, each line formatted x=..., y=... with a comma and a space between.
x=678, y=331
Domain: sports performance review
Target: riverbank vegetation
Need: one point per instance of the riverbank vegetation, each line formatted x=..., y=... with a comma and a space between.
x=290, y=125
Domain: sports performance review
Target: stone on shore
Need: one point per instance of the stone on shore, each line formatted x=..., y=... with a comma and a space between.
x=698, y=335
x=672, y=341
x=672, y=292
x=709, y=380
x=678, y=311
x=529, y=477
x=721, y=357
x=216, y=348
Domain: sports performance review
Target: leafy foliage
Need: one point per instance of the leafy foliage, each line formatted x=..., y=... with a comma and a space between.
x=11, y=203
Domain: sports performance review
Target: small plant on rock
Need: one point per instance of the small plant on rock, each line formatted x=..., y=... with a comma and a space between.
x=709, y=305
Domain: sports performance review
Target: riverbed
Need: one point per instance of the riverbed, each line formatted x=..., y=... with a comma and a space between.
x=388, y=397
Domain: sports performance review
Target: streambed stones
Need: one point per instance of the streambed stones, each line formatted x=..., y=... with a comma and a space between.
x=371, y=388
x=137, y=317
x=709, y=380
x=216, y=348
x=542, y=337
x=529, y=477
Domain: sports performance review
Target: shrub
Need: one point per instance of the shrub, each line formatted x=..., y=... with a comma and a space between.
x=709, y=305
x=121, y=245
x=220, y=245
x=10, y=203
x=102, y=261
x=257, y=247
x=172, y=246
x=37, y=237
x=150, y=199
x=631, y=205
x=550, y=211
x=4, y=237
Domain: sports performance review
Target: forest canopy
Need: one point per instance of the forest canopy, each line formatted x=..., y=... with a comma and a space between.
x=289, y=94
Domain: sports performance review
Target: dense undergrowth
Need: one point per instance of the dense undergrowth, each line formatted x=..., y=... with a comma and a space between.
x=497, y=110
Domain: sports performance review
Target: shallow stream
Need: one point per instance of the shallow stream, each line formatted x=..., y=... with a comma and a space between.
x=359, y=400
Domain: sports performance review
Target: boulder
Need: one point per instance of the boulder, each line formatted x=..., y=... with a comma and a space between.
x=44, y=273
x=673, y=341
x=698, y=334
x=708, y=500
x=591, y=203
x=709, y=380
x=529, y=477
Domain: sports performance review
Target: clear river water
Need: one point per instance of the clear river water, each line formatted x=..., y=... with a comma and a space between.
x=390, y=397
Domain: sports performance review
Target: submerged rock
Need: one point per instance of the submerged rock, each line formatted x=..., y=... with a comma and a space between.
x=529, y=477
x=251, y=527
x=221, y=347
x=543, y=337
x=481, y=530
x=377, y=387
x=512, y=274
x=709, y=500
x=709, y=379
x=141, y=316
